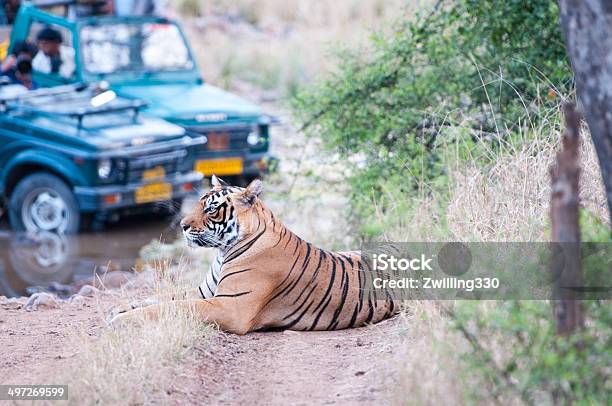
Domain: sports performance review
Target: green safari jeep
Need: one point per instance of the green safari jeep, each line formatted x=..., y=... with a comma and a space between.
x=149, y=58
x=75, y=152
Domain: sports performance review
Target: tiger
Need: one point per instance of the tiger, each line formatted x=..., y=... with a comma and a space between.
x=265, y=277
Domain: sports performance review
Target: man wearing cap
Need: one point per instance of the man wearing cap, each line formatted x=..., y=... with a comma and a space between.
x=53, y=57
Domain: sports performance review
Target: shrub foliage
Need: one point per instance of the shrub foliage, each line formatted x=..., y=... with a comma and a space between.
x=487, y=67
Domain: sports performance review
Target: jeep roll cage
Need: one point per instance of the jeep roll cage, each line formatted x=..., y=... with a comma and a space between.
x=20, y=102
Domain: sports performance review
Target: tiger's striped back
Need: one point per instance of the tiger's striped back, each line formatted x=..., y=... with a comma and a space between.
x=314, y=289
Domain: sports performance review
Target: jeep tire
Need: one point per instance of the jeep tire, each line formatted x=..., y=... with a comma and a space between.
x=43, y=202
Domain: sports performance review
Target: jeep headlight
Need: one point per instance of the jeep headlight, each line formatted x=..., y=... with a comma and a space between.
x=253, y=138
x=105, y=167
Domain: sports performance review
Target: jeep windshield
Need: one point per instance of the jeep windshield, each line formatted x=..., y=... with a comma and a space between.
x=134, y=47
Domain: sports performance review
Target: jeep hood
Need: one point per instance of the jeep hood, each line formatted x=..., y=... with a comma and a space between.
x=146, y=131
x=116, y=134
x=183, y=102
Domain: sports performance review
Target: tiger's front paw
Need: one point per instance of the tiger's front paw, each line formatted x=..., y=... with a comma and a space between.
x=117, y=321
x=126, y=319
x=124, y=308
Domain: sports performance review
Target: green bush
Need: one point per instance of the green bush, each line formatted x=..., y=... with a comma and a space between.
x=488, y=67
x=514, y=353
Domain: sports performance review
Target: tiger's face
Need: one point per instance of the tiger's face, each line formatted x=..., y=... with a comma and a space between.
x=218, y=220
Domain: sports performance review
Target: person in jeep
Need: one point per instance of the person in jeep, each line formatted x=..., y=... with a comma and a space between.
x=18, y=65
x=52, y=56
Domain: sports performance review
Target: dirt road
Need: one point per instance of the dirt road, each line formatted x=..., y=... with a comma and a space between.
x=35, y=344
x=280, y=368
x=275, y=368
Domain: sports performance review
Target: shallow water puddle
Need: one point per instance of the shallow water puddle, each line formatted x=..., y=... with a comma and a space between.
x=61, y=264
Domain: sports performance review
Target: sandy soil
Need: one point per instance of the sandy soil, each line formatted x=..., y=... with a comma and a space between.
x=301, y=368
x=34, y=343
x=340, y=367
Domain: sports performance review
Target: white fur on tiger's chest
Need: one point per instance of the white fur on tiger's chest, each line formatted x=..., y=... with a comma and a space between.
x=209, y=286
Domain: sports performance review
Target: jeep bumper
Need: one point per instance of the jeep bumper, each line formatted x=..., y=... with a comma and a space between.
x=103, y=198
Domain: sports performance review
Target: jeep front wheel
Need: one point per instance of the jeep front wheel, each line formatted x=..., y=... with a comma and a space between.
x=43, y=202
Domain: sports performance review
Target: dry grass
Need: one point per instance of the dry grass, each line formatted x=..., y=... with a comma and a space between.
x=427, y=365
x=505, y=200
x=277, y=45
x=135, y=364
x=509, y=199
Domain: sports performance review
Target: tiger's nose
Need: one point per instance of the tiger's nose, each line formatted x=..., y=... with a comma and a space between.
x=185, y=226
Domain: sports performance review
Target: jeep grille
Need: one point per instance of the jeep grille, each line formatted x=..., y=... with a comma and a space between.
x=169, y=161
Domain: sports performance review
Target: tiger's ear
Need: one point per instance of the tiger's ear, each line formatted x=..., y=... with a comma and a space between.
x=251, y=192
x=215, y=181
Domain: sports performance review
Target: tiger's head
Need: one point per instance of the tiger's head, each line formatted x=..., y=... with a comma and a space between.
x=221, y=217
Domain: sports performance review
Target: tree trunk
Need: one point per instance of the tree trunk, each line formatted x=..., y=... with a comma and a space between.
x=565, y=175
x=587, y=25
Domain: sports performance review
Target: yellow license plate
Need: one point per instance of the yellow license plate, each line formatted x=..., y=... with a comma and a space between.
x=154, y=192
x=156, y=173
x=230, y=166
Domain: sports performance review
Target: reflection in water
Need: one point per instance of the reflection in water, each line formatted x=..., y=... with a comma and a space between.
x=61, y=264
